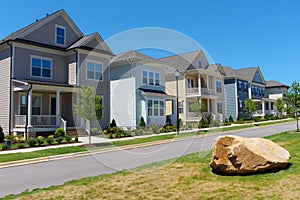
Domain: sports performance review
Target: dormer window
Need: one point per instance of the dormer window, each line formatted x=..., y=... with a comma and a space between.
x=60, y=36
x=200, y=63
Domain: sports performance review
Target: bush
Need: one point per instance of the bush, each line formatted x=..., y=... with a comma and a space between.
x=4, y=147
x=50, y=139
x=94, y=131
x=168, y=128
x=21, y=146
x=230, y=119
x=180, y=122
x=203, y=123
x=154, y=129
x=32, y=142
x=190, y=126
x=76, y=139
x=59, y=140
x=1, y=135
x=40, y=140
x=215, y=123
x=113, y=123
x=226, y=123
x=68, y=138
x=60, y=132
x=138, y=132
x=259, y=119
x=142, y=122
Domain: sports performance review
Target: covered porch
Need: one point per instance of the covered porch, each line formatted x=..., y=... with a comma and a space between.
x=41, y=107
x=198, y=84
x=265, y=106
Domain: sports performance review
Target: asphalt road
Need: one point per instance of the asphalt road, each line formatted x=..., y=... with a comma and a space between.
x=14, y=180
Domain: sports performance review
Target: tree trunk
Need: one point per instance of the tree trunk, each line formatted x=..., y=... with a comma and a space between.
x=297, y=124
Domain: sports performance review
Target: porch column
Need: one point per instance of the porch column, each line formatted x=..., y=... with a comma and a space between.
x=207, y=81
x=270, y=109
x=208, y=105
x=58, y=108
x=29, y=108
x=199, y=83
x=263, y=107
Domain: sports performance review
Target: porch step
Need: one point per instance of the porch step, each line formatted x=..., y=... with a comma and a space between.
x=77, y=132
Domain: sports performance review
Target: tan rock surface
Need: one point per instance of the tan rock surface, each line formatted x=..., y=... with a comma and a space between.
x=238, y=155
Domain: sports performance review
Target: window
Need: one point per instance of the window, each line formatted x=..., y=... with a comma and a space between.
x=60, y=35
x=220, y=107
x=252, y=89
x=256, y=90
x=245, y=86
x=151, y=78
x=156, y=108
x=36, y=105
x=94, y=71
x=263, y=92
x=241, y=104
x=157, y=79
x=190, y=83
x=41, y=67
x=180, y=107
x=200, y=63
x=219, y=86
x=145, y=77
x=240, y=85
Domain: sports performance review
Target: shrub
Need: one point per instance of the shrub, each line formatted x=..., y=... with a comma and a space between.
x=154, y=129
x=40, y=140
x=113, y=123
x=94, y=131
x=1, y=135
x=168, y=128
x=190, y=126
x=230, y=119
x=142, y=122
x=180, y=122
x=258, y=119
x=21, y=138
x=50, y=139
x=226, y=123
x=203, y=123
x=138, y=132
x=4, y=147
x=59, y=140
x=21, y=146
x=68, y=138
x=215, y=123
x=60, y=132
x=115, y=130
x=32, y=142
x=76, y=139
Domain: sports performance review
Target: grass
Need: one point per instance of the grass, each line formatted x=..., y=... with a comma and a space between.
x=66, y=150
x=188, y=177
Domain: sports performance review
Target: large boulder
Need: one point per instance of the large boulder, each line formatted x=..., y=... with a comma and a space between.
x=234, y=155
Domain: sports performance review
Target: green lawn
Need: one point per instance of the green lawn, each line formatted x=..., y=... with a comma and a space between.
x=187, y=177
x=66, y=150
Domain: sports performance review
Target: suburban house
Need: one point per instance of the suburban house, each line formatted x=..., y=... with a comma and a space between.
x=137, y=88
x=42, y=67
x=198, y=81
x=275, y=89
x=241, y=84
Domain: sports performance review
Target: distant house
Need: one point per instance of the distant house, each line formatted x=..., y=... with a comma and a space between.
x=275, y=89
x=242, y=84
x=42, y=66
x=198, y=80
x=137, y=88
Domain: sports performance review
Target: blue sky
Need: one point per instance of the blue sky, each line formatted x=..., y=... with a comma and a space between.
x=236, y=33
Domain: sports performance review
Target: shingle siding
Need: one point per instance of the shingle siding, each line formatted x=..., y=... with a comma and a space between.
x=5, y=75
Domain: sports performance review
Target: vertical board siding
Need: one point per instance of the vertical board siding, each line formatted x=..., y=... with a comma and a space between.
x=230, y=99
x=72, y=74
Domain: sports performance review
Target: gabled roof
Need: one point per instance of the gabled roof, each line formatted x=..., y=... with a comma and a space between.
x=273, y=83
x=247, y=73
x=216, y=68
x=134, y=55
x=38, y=23
x=182, y=61
x=229, y=72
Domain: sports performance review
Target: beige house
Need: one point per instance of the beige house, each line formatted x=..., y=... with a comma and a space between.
x=198, y=80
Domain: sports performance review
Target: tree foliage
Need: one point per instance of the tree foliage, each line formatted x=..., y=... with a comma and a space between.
x=88, y=104
x=198, y=106
x=293, y=96
x=250, y=107
x=280, y=105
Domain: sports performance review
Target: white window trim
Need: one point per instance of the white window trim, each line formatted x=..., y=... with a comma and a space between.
x=42, y=58
x=55, y=39
x=24, y=94
x=148, y=78
x=152, y=108
x=218, y=81
x=94, y=62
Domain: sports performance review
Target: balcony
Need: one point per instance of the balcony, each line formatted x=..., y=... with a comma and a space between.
x=207, y=91
x=204, y=91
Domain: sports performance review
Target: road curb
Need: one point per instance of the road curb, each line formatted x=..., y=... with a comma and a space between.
x=116, y=148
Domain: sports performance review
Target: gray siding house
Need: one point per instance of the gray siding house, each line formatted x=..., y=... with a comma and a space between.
x=42, y=67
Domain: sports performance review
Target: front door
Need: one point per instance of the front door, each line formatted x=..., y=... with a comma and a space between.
x=53, y=106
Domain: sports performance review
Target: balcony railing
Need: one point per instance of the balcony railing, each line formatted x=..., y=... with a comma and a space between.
x=36, y=120
x=207, y=91
x=192, y=91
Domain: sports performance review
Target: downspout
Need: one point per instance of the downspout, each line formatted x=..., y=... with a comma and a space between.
x=10, y=85
x=26, y=125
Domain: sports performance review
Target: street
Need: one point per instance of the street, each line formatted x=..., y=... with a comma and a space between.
x=14, y=180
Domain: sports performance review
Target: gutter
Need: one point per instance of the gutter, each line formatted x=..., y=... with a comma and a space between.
x=10, y=85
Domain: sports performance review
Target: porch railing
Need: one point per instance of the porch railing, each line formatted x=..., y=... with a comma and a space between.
x=192, y=91
x=63, y=124
x=36, y=120
x=208, y=91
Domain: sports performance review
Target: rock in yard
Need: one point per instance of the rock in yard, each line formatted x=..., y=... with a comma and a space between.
x=234, y=155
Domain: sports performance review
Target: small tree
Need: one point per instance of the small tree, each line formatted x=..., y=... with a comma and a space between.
x=1, y=135
x=293, y=96
x=88, y=105
x=198, y=106
x=142, y=122
x=250, y=107
x=113, y=123
x=280, y=105
x=231, y=119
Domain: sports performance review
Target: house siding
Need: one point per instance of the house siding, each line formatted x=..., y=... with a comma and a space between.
x=5, y=63
x=230, y=99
